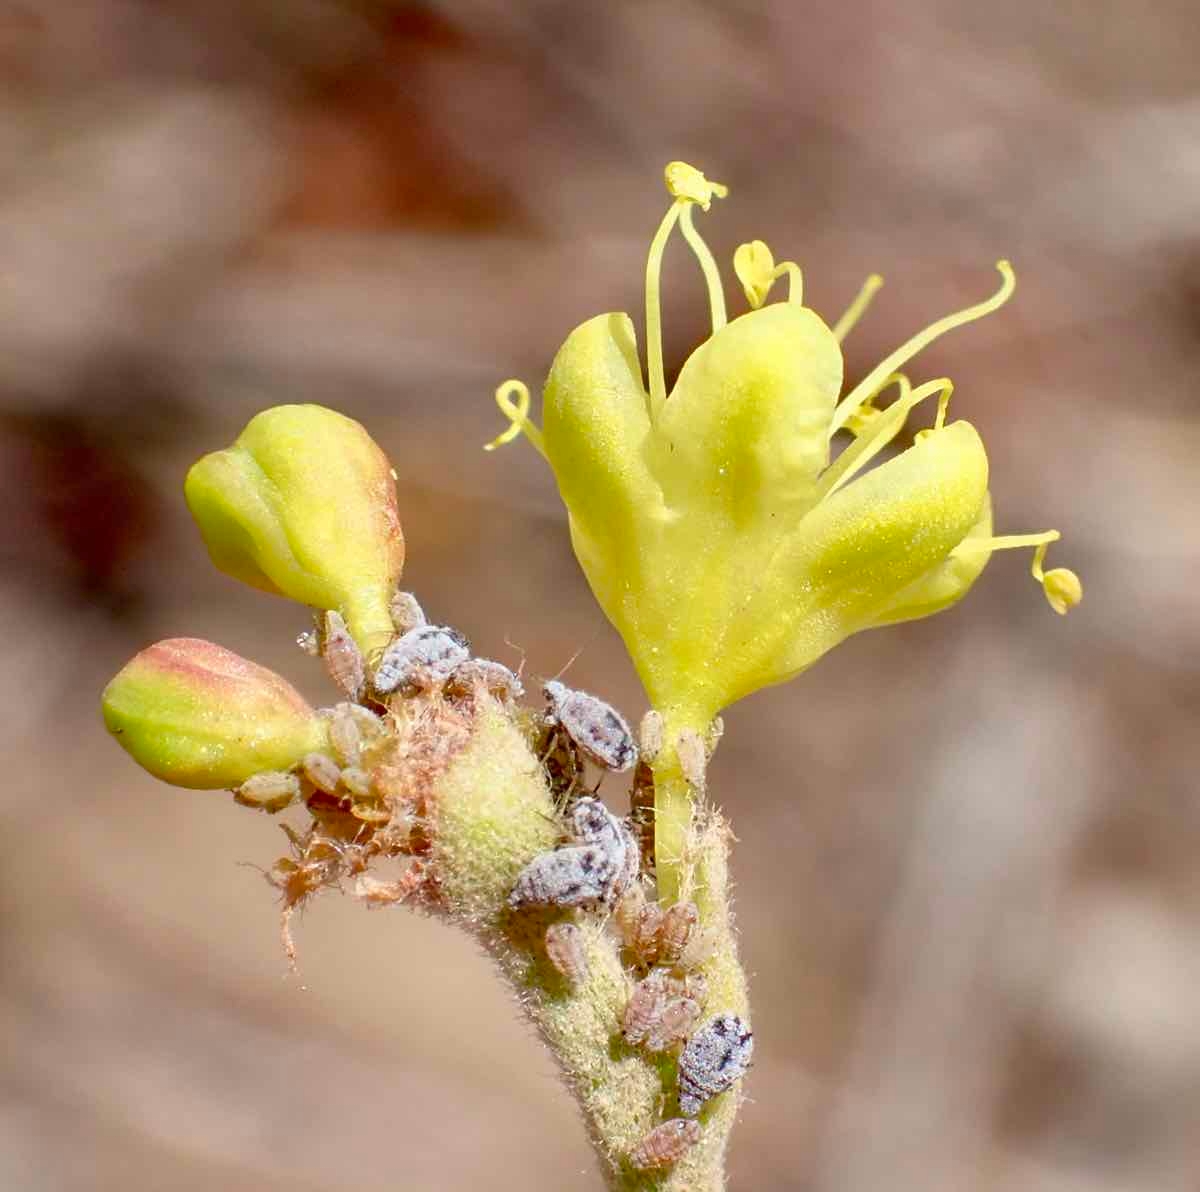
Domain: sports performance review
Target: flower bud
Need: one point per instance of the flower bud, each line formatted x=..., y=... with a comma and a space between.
x=199, y=716
x=304, y=505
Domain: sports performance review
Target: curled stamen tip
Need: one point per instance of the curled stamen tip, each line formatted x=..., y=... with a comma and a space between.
x=687, y=182
x=754, y=265
x=1063, y=588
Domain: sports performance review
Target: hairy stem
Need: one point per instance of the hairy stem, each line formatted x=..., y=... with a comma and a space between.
x=491, y=812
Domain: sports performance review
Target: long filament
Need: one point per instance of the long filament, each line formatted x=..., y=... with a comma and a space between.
x=654, y=348
x=858, y=307
x=708, y=264
x=922, y=339
x=1010, y=542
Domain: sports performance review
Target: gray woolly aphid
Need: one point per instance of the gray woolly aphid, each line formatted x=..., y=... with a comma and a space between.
x=422, y=658
x=715, y=1058
x=597, y=728
x=594, y=871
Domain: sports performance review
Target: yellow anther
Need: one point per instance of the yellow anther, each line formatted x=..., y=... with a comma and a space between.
x=687, y=182
x=1063, y=588
x=517, y=413
x=754, y=265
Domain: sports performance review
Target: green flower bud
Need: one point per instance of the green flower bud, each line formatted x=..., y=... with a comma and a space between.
x=304, y=505
x=199, y=716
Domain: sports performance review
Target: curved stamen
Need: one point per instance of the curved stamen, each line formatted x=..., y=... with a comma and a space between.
x=922, y=339
x=860, y=422
x=517, y=414
x=858, y=307
x=881, y=432
x=708, y=265
x=1062, y=587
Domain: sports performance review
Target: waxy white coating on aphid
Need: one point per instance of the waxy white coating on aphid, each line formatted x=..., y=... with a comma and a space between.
x=493, y=677
x=322, y=771
x=407, y=613
x=597, y=728
x=665, y=1145
x=341, y=655
x=593, y=823
x=309, y=642
x=272, y=790
x=421, y=659
x=581, y=875
x=715, y=1058
x=566, y=951
x=594, y=871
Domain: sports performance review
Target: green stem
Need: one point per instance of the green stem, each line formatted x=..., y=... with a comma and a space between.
x=491, y=813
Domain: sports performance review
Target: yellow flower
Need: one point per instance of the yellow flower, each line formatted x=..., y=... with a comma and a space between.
x=719, y=532
x=304, y=505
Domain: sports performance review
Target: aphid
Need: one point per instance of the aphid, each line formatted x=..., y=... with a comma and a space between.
x=596, y=871
x=650, y=735
x=322, y=771
x=345, y=737
x=350, y=728
x=676, y=928
x=493, y=677
x=665, y=1145
x=272, y=790
x=715, y=1058
x=407, y=613
x=341, y=655
x=597, y=728
x=565, y=948
x=693, y=758
x=674, y=1024
x=421, y=659
x=639, y=922
x=357, y=782
x=662, y=1009
x=309, y=642
x=593, y=823
x=580, y=875
x=645, y=1006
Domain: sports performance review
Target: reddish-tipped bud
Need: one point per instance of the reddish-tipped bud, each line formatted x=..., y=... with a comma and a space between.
x=197, y=715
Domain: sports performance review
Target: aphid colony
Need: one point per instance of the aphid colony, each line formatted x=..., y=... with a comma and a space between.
x=351, y=729
x=597, y=866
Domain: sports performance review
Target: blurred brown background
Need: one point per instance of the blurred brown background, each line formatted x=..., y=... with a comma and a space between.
x=968, y=873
